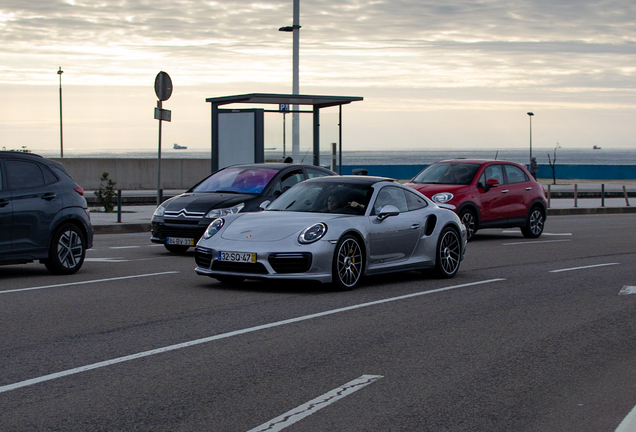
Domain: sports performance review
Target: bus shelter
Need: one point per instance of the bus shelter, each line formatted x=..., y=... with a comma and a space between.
x=284, y=101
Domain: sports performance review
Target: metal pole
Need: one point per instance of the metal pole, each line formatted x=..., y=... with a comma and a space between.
x=284, y=136
x=159, y=192
x=340, y=139
x=295, y=81
x=60, y=72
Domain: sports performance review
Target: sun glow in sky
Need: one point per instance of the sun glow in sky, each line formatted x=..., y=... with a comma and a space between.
x=458, y=74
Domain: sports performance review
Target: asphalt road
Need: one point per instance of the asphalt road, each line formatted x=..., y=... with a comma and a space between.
x=531, y=335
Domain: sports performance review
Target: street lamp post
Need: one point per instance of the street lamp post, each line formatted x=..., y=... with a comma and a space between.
x=295, y=29
x=530, y=114
x=60, y=72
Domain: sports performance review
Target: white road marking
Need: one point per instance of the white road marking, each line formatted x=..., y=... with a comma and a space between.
x=583, y=267
x=87, y=282
x=178, y=346
x=626, y=290
x=124, y=247
x=629, y=423
x=314, y=405
x=111, y=260
x=516, y=231
x=531, y=242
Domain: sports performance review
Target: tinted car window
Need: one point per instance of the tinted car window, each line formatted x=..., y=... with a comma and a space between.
x=448, y=173
x=312, y=173
x=515, y=174
x=315, y=197
x=24, y=175
x=241, y=180
x=492, y=172
x=287, y=181
x=49, y=176
x=414, y=201
x=0, y=175
x=391, y=195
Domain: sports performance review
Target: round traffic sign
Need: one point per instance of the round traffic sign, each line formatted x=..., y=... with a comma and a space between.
x=163, y=86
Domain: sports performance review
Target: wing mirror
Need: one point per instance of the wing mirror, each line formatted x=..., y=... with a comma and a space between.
x=388, y=210
x=491, y=183
x=265, y=204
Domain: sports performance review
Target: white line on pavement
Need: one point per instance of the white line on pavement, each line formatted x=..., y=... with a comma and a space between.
x=110, y=260
x=629, y=423
x=531, y=242
x=583, y=267
x=309, y=408
x=516, y=231
x=155, y=351
x=626, y=290
x=124, y=247
x=88, y=282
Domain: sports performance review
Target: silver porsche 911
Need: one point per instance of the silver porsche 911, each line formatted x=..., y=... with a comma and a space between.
x=334, y=230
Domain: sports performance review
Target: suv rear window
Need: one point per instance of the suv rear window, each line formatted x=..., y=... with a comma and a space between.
x=23, y=175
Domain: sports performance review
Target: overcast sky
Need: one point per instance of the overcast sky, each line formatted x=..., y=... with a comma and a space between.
x=433, y=74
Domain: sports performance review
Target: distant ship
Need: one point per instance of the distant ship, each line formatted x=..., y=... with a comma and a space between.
x=178, y=147
x=593, y=148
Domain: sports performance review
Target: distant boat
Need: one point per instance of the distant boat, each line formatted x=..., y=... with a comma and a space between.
x=178, y=147
x=593, y=148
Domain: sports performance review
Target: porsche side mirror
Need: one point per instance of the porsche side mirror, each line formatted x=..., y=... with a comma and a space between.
x=265, y=204
x=388, y=210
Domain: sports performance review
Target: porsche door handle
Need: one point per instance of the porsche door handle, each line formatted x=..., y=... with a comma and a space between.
x=415, y=226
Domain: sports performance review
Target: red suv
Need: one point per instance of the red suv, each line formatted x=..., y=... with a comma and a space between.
x=486, y=194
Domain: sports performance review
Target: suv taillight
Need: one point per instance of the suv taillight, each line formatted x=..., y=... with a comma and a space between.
x=79, y=190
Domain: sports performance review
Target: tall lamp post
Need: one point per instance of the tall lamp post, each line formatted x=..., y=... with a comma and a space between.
x=295, y=28
x=60, y=72
x=530, y=114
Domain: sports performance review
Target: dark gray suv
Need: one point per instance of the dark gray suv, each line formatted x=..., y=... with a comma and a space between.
x=43, y=214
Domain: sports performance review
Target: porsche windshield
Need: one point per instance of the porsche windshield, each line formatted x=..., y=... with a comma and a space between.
x=237, y=180
x=448, y=173
x=325, y=197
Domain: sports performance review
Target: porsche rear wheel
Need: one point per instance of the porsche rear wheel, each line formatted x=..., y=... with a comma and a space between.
x=348, y=263
x=448, y=253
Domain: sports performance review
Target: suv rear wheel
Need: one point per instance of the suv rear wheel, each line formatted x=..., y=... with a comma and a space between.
x=67, y=250
x=534, y=223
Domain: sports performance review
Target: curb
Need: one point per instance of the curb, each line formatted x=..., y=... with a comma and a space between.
x=122, y=228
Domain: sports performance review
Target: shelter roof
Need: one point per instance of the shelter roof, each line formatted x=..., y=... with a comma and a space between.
x=272, y=98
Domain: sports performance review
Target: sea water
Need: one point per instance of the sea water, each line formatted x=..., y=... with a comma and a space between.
x=573, y=156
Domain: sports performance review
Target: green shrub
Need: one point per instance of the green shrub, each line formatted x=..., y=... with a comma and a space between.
x=106, y=193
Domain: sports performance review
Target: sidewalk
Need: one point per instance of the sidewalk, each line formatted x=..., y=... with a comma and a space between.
x=136, y=218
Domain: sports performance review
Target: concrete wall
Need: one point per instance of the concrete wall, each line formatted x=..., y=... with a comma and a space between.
x=137, y=174
x=141, y=174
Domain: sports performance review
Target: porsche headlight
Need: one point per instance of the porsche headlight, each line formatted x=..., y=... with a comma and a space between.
x=216, y=213
x=213, y=228
x=443, y=197
x=312, y=233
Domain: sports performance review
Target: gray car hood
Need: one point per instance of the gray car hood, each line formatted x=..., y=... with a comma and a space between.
x=270, y=226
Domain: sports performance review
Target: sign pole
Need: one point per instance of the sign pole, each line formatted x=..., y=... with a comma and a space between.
x=163, y=90
x=159, y=191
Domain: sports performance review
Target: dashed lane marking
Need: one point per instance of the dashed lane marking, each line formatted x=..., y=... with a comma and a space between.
x=88, y=282
x=314, y=405
x=583, y=267
x=531, y=242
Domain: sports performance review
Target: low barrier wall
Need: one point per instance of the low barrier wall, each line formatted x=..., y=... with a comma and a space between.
x=141, y=174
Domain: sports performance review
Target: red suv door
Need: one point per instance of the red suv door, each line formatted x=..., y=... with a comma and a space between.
x=494, y=199
x=519, y=191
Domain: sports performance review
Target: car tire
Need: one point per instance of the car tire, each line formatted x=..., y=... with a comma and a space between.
x=177, y=248
x=230, y=280
x=534, y=223
x=348, y=263
x=469, y=219
x=448, y=253
x=67, y=250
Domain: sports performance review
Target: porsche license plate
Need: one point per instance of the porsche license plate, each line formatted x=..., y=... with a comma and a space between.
x=243, y=257
x=180, y=241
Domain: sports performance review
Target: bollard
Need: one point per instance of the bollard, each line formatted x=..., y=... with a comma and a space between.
x=549, y=192
x=576, y=195
x=603, y=195
x=119, y=206
x=625, y=193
